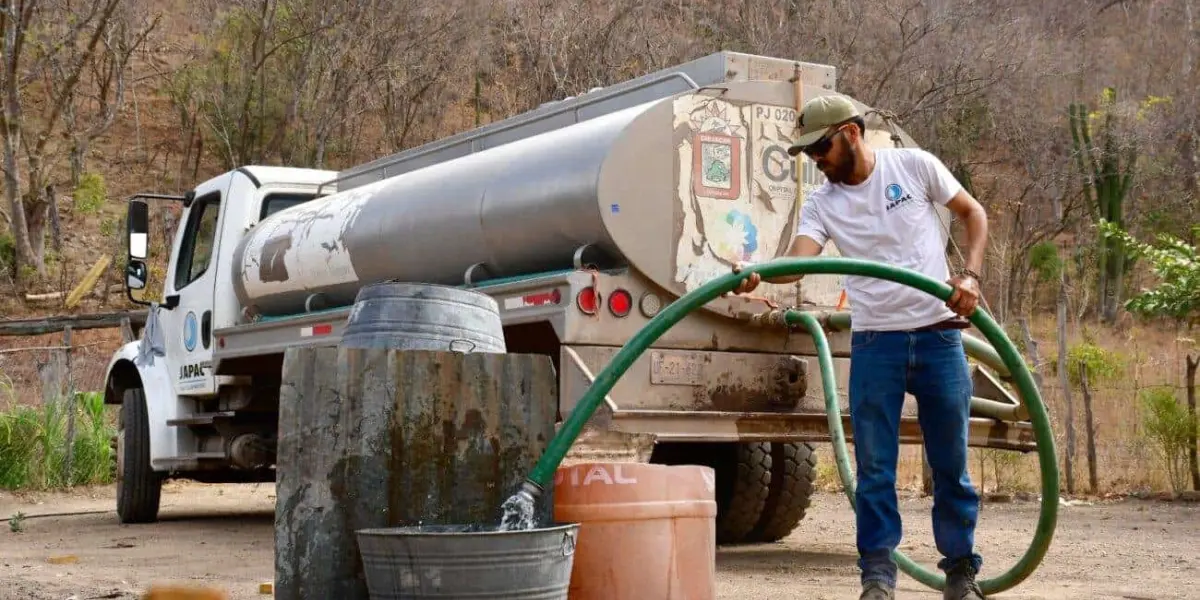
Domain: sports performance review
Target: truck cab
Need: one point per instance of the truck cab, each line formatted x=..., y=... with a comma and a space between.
x=174, y=407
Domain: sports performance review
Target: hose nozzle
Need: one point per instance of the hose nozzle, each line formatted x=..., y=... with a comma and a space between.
x=531, y=490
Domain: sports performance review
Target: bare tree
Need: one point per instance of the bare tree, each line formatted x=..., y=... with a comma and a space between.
x=93, y=106
x=51, y=49
x=561, y=48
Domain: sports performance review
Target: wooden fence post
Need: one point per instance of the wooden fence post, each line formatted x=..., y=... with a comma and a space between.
x=382, y=438
x=1090, y=423
x=67, y=402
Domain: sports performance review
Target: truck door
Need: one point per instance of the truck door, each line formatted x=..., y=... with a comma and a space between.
x=188, y=327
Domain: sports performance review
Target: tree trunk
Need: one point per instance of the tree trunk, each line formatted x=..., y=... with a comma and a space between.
x=1093, y=478
x=77, y=160
x=1192, y=364
x=1063, y=368
x=1116, y=278
x=1016, y=286
x=55, y=227
x=1189, y=54
x=37, y=217
x=1102, y=281
x=16, y=212
x=1031, y=349
x=12, y=187
x=67, y=402
x=1065, y=382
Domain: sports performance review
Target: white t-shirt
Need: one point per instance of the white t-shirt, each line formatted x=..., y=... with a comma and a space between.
x=888, y=218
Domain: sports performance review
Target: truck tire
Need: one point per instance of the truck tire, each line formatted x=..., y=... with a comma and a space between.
x=743, y=480
x=743, y=473
x=139, y=488
x=793, y=481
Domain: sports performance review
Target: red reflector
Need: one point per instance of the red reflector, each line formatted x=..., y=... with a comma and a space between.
x=586, y=300
x=552, y=297
x=323, y=329
x=620, y=302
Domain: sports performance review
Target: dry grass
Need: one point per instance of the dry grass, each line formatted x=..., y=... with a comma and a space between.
x=1127, y=462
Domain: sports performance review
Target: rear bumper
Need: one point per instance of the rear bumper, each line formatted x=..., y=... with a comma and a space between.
x=709, y=426
x=695, y=396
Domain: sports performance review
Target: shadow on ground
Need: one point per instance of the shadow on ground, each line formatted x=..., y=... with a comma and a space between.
x=770, y=557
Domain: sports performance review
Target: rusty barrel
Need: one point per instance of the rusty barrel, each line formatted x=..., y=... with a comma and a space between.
x=646, y=531
x=377, y=439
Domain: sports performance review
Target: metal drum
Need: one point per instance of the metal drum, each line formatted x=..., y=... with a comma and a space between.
x=416, y=316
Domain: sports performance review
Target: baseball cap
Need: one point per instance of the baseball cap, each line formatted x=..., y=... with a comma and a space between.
x=820, y=114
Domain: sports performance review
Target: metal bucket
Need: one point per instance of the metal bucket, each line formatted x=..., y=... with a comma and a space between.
x=468, y=561
x=420, y=316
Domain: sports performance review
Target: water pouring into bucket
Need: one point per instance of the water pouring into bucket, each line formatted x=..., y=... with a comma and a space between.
x=517, y=512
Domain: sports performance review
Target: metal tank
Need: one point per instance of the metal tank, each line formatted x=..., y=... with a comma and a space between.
x=677, y=188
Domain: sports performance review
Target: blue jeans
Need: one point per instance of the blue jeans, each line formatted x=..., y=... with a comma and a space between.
x=932, y=366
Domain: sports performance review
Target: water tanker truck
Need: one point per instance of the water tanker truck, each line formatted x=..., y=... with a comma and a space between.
x=582, y=218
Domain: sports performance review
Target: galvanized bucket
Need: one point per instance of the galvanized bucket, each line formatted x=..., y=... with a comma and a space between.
x=468, y=561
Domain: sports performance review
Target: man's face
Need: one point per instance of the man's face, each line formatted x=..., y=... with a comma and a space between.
x=833, y=156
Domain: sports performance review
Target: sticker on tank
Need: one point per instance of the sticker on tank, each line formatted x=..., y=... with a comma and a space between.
x=738, y=196
x=737, y=185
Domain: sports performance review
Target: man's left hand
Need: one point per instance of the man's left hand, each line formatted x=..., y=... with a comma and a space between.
x=965, y=297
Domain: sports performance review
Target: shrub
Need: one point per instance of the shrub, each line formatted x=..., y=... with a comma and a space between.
x=1169, y=426
x=33, y=444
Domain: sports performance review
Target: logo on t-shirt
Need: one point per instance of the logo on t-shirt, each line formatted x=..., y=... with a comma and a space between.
x=895, y=196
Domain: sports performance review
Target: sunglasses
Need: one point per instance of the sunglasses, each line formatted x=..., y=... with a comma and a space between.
x=821, y=146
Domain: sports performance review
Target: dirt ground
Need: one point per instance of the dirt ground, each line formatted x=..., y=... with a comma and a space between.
x=222, y=535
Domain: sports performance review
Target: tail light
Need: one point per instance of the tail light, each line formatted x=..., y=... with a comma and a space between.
x=587, y=300
x=620, y=302
x=650, y=304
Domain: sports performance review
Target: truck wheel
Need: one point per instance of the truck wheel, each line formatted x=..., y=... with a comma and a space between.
x=138, y=486
x=793, y=480
x=743, y=485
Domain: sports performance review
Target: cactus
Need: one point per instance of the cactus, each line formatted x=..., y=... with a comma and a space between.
x=1107, y=174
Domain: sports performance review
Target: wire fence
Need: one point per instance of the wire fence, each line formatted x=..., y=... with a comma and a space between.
x=55, y=430
x=38, y=369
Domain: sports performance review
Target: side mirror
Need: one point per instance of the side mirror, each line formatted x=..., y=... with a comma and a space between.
x=139, y=233
x=135, y=275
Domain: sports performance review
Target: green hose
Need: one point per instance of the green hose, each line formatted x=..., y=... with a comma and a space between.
x=543, y=471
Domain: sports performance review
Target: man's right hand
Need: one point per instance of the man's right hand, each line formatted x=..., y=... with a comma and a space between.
x=748, y=284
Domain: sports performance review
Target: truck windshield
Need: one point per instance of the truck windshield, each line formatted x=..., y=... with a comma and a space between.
x=274, y=203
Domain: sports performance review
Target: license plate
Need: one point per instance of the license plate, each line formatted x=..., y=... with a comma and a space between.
x=676, y=368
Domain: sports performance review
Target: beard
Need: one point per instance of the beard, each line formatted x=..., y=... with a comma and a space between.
x=840, y=172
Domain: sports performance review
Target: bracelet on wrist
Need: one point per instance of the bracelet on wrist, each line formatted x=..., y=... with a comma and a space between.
x=970, y=273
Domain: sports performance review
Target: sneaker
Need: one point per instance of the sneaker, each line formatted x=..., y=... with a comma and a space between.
x=877, y=590
x=960, y=583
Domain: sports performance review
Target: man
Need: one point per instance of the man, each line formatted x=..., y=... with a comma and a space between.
x=879, y=205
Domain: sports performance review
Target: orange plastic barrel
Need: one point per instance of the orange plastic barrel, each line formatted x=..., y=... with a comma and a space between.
x=646, y=531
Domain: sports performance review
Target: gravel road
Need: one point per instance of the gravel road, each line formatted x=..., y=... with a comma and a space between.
x=221, y=535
